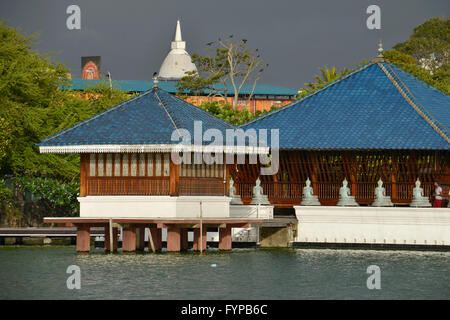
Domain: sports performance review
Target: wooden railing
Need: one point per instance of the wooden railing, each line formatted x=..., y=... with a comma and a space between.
x=202, y=186
x=127, y=186
x=276, y=190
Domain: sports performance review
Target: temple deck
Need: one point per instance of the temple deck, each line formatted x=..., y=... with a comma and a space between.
x=134, y=231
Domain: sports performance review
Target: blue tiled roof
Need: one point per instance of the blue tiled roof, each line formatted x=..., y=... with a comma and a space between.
x=149, y=118
x=364, y=110
x=169, y=86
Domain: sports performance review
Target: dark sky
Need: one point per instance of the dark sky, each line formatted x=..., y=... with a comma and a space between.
x=295, y=37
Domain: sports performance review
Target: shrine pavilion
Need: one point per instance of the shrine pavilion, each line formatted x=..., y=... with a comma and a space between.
x=129, y=179
x=377, y=133
x=375, y=122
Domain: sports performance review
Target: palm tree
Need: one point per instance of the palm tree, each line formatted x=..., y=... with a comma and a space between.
x=326, y=76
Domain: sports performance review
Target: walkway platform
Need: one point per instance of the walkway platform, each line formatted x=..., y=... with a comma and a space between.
x=134, y=231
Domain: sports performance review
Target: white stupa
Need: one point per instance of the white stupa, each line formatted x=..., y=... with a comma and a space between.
x=178, y=61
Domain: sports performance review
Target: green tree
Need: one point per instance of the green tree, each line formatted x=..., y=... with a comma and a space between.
x=230, y=114
x=440, y=78
x=232, y=62
x=429, y=44
x=326, y=76
x=33, y=107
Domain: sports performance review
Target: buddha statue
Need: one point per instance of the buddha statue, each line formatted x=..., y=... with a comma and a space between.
x=345, y=199
x=308, y=198
x=381, y=200
x=235, y=199
x=418, y=200
x=258, y=194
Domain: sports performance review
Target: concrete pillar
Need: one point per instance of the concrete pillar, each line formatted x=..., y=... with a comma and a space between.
x=157, y=238
x=115, y=238
x=184, y=239
x=197, y=239
x=225, y=238
x=83, y=238
x=140, y=238
x=173, y=239
x=129, y=238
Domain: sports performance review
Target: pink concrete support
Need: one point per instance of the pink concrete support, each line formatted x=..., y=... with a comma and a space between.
x=173, y=239
x=184, y=239
x=225, y=238
x=129, y=238
x=140, y=238
x=83, y=238
x=115, y=238
x=197, y=239
x=157, y=238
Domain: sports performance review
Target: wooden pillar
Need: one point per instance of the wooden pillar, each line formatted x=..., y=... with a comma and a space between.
x=353, y=182
x=184, y=239
x=115, y=238
x=129, y=238
x=174, y=179
x=225, y=239
x=394, y=188
x=173, y=239
x=276, y=185
x=84, y=162
x=140, y=238
x=157, y=238
x=314, y=183
x=197, y=238
x=227, y=178
x=83, y=238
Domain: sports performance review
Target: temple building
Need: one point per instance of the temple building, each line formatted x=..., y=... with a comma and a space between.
x=375, y=122
x=177, y=63
x=129, y=178
x=355, y=163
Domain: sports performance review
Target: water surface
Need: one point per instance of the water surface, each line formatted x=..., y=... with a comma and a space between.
x=40, y=273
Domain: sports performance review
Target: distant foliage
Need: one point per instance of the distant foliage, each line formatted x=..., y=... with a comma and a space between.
x=326, y=76
x=32, y=108
x=439, y=78
x=57, y=196
x=429, y=44
x=230, y=114
x=230, y=62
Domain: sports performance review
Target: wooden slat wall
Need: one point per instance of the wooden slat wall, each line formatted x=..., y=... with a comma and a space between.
x=326, y=169
x=162, y=179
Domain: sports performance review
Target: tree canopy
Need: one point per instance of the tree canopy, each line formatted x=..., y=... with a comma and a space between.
x=429, y=43
x=230, y=61
x=33, y=107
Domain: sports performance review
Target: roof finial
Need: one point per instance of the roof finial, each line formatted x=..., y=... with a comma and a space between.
x=380, y=49
x=155, y=80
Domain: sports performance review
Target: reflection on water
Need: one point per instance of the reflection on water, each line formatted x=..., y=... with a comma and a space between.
x=40, y=273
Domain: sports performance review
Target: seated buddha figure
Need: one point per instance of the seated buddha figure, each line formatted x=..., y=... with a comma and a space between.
x=308, y=198
x=418, y=199
x=235, y=199
x=381, y=200
x=345, y=199
x=258, y=194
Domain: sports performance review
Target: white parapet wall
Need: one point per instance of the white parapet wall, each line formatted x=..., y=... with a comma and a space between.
x=154, y=207
x=369, y=225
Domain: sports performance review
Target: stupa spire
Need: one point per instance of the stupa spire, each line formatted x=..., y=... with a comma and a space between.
x=178, y=32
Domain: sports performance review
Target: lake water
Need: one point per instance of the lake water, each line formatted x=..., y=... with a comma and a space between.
x=40, y=273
